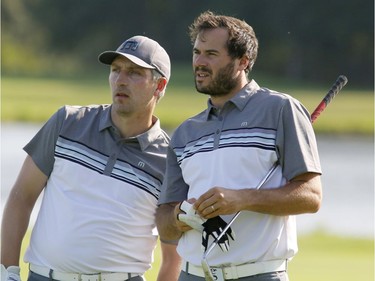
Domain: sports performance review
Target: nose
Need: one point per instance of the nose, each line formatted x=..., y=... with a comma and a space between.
x=198, y=60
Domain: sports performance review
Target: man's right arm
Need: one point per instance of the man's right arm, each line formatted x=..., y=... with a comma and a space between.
x=170, y=266
x=169, y=227
x=17, y=211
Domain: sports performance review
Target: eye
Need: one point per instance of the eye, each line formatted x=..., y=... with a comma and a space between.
x=115, y=68
x=196, y=52
x=212, y=54
x=134, y=71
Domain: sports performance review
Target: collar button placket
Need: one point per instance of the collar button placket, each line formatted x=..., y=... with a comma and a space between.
x=220, y=122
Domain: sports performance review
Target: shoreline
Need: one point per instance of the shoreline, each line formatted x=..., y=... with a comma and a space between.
x=348, y=180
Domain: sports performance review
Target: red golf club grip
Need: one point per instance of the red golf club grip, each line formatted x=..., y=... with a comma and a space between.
x=336, y=87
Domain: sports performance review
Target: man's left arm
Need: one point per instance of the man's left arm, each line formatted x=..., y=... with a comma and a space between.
x=302, y=194
x=171, y=263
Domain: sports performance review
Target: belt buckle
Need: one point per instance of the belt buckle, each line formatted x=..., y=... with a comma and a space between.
x=217, y=273
x=90, y=277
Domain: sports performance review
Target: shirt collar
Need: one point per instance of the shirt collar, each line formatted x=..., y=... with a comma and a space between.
x=144, y=139
x=151, y=135
x=239, y=100
x=105, y=119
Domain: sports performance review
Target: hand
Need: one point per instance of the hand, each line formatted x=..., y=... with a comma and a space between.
x=213, y=227
x=181, y=225
x=190, y=216
x=219, y=201
x=12, y=273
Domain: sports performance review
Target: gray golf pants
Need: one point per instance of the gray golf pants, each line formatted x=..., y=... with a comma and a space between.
x=36, y=277
x=272, y=276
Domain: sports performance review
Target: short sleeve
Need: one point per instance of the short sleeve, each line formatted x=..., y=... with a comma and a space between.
x=41, y=148
x=174, y=189
x=295, y=141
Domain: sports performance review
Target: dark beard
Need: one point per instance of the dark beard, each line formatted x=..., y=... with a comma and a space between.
x=221, y=84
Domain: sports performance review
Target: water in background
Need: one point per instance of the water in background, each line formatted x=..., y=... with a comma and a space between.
x=348, y=180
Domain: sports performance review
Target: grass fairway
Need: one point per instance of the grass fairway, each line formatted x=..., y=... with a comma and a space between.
x=36, y=99
x=322, y=257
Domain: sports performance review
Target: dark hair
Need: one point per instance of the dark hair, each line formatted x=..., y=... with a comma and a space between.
x=242, y=40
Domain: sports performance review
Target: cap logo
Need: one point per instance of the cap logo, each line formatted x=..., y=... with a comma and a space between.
x=130, y=45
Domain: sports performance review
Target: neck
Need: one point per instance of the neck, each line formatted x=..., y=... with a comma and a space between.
x=219, y=101
x=131, y=126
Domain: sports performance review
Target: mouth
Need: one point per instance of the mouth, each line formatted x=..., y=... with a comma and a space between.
x=201, y=75
x=121, y=96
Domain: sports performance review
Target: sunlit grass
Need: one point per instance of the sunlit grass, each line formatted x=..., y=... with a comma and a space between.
x=321, y=257
x=325, y=257
x=35, y=100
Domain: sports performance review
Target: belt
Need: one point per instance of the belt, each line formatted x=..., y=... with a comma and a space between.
x=64, y=276
x=239, y=271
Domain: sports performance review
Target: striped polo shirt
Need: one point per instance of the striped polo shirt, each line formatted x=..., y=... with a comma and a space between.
x=234, y=148
x=97, y=212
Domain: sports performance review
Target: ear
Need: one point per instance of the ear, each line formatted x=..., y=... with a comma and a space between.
x=244, y=62
x=162, y=82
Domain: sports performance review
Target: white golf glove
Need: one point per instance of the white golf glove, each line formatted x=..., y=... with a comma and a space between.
x=12, y=273
x=191, y=217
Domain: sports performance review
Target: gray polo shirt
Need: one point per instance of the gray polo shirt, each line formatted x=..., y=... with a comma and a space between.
x=234, y=148
x=101, y=195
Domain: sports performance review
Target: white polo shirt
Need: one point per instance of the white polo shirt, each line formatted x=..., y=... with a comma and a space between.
x=235, y=148
x=97, y=213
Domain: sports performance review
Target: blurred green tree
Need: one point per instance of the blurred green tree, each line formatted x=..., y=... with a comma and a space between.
x=313, y=40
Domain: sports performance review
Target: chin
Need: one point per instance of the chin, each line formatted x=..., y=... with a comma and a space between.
x=202, y=91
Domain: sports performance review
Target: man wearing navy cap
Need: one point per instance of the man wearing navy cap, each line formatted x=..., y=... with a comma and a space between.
x=101, y=168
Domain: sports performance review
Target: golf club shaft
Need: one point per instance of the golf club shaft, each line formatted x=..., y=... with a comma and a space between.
x=336, y=87
x=333, y=91
x=260, y=184
x=207, y=272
